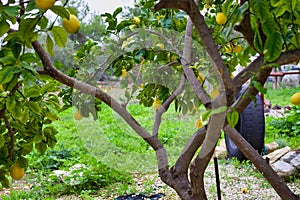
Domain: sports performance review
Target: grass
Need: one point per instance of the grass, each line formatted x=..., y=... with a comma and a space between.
x=281, y=96
x=111, y=151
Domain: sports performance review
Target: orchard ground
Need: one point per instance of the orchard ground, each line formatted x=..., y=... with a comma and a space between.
x=102, y=179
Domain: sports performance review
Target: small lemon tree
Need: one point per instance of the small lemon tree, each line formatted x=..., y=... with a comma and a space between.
x=198, y=44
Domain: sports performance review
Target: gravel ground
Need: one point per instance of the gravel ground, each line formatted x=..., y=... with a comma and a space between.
x=233, y=180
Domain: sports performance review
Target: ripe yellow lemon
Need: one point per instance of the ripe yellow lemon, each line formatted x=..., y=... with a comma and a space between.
x=136, y=20
x=16, y=172
x=72, y=25
x=237, y=48
x=199, y=123
x=221, y=18
x=295, y=99
x=44, y=4
x=78, y=115
x=156, y=104
x=124, y=73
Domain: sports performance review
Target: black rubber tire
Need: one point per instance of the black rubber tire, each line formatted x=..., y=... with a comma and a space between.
x=251, y=126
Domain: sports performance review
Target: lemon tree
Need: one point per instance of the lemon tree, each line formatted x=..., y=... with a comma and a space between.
x=173, y=70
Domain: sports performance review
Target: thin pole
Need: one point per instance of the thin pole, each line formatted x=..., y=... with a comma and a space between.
x=217, y=178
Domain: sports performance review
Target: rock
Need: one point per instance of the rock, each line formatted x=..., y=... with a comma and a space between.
x=289, y=156
x=221, y=151
x=283, y=169
x=73, y=176
x=77, y=167
x=271, y=147
x=290, y=80
x=296, y=162
x=275, y=155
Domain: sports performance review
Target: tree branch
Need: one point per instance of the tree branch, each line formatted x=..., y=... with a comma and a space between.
x=260, y=163
x=11, y=133
x=187, y=154
x=98, y=93
x=262, y=75
x=204, y=33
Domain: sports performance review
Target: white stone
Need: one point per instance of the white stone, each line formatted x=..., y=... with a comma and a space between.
x=289, y=156
x=284, y=169
x=296, y=162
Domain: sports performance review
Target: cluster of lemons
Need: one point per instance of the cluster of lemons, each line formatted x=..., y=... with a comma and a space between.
x=71, y=25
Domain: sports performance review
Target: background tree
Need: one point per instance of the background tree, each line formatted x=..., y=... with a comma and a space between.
x=30, y=80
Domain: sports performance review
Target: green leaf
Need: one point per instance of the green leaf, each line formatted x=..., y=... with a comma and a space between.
x=261, y=9
x=206, y=115
x=232, y=118
x=2, y=141
x=25, y=116
x=259, y=87
x=7, y=74
x=258, y=42
x=26, y=28
x=23, y=162
x=226, y=7
x=4, y=181
x=32, y=91
x=4, y=27
x=269, y=27
x=28, y=57
x=16, y=50
x=11, y=11
x=166, y=23
x=11, y=103
x=273, y=47
x=218, y=110
x=41, y=147
x=34, y=107
x=117, y=11
x=49, y=44
x=8, y=60
x=60, y=11
x=43, y=22
x=239, y=12
x=60, y=36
